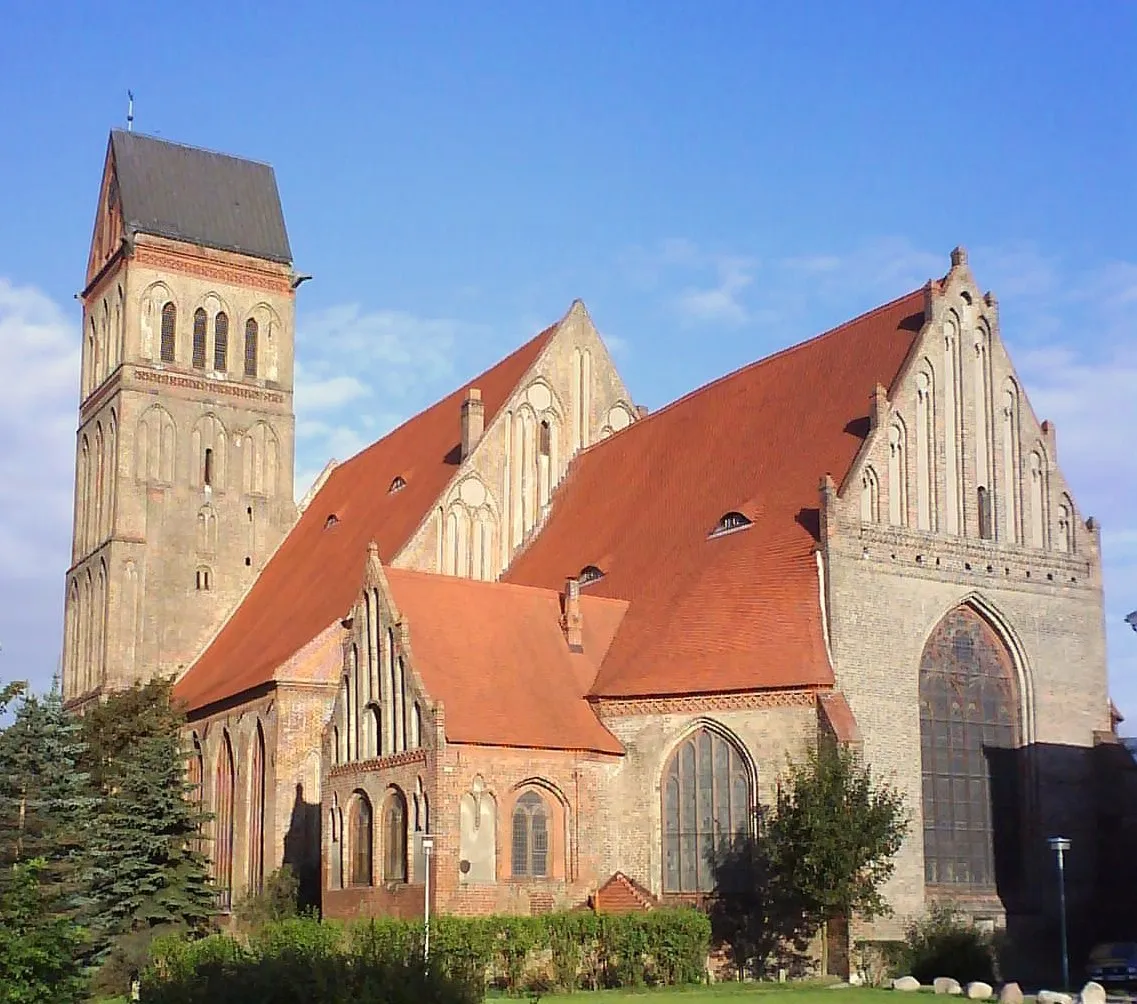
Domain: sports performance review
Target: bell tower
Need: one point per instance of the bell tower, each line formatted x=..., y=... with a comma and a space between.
x=184, y=450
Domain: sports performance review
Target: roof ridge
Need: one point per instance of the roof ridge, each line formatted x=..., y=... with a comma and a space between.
x=131, y=134
x=748, y=367
x=494, y=583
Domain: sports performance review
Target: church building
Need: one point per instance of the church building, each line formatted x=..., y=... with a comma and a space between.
x=548, y=645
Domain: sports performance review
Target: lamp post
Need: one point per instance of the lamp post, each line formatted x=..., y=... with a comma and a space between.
x=427, y=848
x=1060, y=845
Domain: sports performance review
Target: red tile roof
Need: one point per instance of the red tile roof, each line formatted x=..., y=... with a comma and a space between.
x=314, y=576
x=621, y=894
x=496, y=656
x=740, y=611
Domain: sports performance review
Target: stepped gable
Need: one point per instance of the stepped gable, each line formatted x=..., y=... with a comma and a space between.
x=313, y=578
x=742, y=610
x=497, y=658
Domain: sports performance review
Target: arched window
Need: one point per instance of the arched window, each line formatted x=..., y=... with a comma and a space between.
x=221, y=342
x=199, y=338
x=361, y=840
x=250, y=348
x=224, y=784
x=335, y=832
x=416, y=726
x=544, y=439
x=395, y=837
x=968, y=707
x=706, y=801
x=530, y=848
x=870, y=497
x=169, y=332
x=257, y=814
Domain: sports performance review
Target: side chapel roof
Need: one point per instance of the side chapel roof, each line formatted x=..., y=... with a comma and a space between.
x=194, y=195
x=313, y=578
x=741, y=610
x=495, y=655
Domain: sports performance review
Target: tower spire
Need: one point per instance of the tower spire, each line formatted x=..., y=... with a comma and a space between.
x=130, y=111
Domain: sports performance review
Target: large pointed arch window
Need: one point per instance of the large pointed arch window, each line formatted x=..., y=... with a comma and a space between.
x=257, y=814
x=968, y=713
x=707, y=802
x=530, y=843
x=221, y=342
x=224, y=786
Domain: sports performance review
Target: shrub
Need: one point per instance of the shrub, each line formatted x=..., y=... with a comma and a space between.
x=278, y=900
x=303, y=959
x=941, y=945
x=879, y=961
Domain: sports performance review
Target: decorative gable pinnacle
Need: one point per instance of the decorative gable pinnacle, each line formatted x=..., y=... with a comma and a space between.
x=958, y=256
x=878, y=410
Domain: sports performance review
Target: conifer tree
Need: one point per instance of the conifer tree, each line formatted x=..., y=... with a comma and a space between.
x=47, y=803
x=147, y=871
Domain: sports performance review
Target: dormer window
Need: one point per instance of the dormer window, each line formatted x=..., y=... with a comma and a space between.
x=331, y=521
x=590, y=573
x=730, y=522
x=397, y=486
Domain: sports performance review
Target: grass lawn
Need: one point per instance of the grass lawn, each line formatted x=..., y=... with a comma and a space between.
x=768, y=993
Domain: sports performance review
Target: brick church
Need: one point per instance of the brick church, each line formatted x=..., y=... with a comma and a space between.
x=571, y=640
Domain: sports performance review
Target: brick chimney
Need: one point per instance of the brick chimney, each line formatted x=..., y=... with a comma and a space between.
x=473, y=420
x=572, y=621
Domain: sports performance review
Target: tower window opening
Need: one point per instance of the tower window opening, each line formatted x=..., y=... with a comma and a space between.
x=204, y=580
x=221, y=342
x=545, y=439
x=250, y=348
x=199, y=339
x=207, y=475
x=169, y=332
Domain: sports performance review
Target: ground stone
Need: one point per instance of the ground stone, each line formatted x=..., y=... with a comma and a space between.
x=1011, y=993
x=1093, y=993
x=946, y=985
x=906, y=983
x=1053, y=997
x=979, y=991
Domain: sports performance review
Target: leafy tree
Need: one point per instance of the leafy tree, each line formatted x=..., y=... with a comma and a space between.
x=47, y=803
x=148, y=873
x=834, y=834
x=39, y=952
x=114, y=727
x=278, y=900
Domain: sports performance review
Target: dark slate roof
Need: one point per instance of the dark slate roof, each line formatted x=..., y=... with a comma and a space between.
x=199, y=196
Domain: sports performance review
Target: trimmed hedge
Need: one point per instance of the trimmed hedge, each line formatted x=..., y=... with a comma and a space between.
x=324, y=962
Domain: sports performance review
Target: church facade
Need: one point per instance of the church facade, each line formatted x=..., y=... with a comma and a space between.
x=568, y=641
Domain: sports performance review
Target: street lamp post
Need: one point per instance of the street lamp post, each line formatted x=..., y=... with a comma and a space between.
x=427, y=848
x=1060, y=845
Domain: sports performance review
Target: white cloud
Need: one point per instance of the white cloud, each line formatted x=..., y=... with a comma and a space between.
x=331, y=392
x=39, y=357
x=722, y=302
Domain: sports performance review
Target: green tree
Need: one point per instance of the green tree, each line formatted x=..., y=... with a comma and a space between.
x=147, y=871
x=39, y=952
x=47, y=803
x=834, y=834
x=114, y=727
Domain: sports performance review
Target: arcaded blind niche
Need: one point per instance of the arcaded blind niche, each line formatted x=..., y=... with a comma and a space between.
x=707, y=803
x=969, y=710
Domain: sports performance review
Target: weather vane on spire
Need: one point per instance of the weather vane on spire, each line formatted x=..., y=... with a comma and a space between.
x=130, y=111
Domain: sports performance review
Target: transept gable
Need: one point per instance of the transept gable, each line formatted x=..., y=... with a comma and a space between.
x=953, y=446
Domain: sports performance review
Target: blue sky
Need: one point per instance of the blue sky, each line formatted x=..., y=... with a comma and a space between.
x=715, y=180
